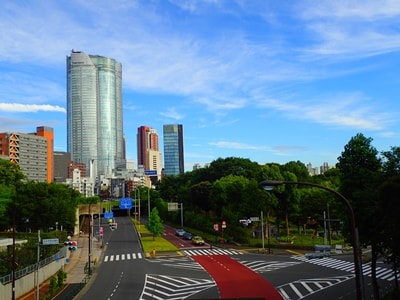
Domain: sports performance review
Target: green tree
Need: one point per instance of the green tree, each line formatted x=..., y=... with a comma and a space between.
x=10, y=173
x=154, y=223
x=390, y=208
x=360, y=170
x=10, y=176
x=390, y=221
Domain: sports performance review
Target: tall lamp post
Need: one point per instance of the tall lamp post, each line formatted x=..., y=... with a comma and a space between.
x=270, y=184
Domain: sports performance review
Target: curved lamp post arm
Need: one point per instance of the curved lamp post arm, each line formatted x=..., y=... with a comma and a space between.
x=270, y=184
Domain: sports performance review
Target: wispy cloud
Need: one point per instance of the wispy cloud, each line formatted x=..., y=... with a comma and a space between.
x=18, y=107
x=343, y=110
x=276, y=150
x=172, y=114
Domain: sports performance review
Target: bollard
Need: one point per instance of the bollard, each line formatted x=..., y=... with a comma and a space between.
x=153, y=253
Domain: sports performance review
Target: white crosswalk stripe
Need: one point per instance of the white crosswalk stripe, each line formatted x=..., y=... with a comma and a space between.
x=262, y=266
x=214, y=251
x=381, y=272
x=122, y=257
x=173, y=287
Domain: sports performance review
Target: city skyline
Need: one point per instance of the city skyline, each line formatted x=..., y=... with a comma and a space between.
x=264, y=80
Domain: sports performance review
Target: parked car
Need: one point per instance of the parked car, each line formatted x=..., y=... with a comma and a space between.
x=180, y=232
x=187, y=236
x=197, y=240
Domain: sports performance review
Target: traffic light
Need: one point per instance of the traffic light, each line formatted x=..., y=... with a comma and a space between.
x=72, y=245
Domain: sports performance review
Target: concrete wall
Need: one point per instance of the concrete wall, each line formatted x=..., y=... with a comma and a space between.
x=26, y=284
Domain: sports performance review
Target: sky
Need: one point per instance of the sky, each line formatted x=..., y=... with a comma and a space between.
x=266, y=80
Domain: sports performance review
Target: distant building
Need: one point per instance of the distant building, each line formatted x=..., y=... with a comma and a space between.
x=317, y=171
x=61, y=163
x=196, y=166
x=76, y=166
x=173, y=149
x=149, y=155
x=94, y=112
x=33, y=152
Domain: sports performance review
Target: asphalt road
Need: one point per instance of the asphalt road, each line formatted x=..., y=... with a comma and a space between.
x=124, y=272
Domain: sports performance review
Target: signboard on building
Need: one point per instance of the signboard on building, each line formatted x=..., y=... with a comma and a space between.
x=150, y=172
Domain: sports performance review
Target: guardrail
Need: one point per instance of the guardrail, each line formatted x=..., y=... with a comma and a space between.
x=32, y=268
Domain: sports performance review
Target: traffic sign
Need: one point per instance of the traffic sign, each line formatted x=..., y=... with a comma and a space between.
x=108, y=215
x=51, y=241
x=150, y=172
x=173, y=206
x=125, y=203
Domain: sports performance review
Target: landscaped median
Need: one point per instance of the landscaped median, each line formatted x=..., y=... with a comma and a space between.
x=153, y=245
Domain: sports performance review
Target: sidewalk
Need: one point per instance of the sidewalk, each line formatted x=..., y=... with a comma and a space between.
x=74, y=267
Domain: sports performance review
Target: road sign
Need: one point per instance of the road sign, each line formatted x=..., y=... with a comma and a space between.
x=108, y=215
x=125, y=203
x=150, y=172
x=51, y=241
x=216, y=227
x=173, y=206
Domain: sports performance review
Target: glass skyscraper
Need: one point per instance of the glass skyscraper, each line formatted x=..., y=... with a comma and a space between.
x=173, y=149
x=94, y=111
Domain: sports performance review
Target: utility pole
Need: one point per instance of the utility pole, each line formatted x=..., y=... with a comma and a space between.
x=37, y=268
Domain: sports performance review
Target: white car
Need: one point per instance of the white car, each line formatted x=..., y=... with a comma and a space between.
x=180, y=232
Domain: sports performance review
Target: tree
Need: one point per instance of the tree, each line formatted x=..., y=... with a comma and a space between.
x=390, y=222
x=360, y=170
x=10, y=173
x=154, y=223
x=390, y=208
x=10, y=176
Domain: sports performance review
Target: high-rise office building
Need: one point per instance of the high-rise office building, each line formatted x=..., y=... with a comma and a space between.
x=33, y=152
x=173, y=149
x=94, y=112
x=149, y=155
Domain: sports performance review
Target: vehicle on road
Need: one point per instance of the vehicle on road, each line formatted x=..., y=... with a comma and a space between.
x=197, y=240
x=180, y=232
x=187, y=236
x=321, y=251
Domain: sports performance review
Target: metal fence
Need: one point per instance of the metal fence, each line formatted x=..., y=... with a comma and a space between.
x=21, y=273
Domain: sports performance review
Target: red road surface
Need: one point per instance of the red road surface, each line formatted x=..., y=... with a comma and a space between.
x=235, y=280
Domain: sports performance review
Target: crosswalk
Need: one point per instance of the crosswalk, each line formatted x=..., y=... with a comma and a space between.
x=208, y=251
x=173, y=287
x=121, y=257
x=381, y=272
x=261, y=266
x=302, y=288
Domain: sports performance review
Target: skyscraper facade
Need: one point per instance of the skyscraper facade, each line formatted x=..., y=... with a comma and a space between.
x=173, y=149
x=33, y=152
x=94, y=111
x=149, y=155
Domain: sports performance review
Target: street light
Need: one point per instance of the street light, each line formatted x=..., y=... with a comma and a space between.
x=270, y=184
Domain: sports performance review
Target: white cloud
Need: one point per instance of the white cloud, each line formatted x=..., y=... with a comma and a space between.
x=18, y=107
x=172, y=113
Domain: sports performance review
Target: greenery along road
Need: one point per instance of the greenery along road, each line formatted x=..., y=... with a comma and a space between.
x=228, y=191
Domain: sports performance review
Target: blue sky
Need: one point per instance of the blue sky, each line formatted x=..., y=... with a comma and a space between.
x=272, y=81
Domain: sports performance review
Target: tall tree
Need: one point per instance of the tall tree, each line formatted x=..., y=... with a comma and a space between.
x=360, y=169
x=154, y=223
